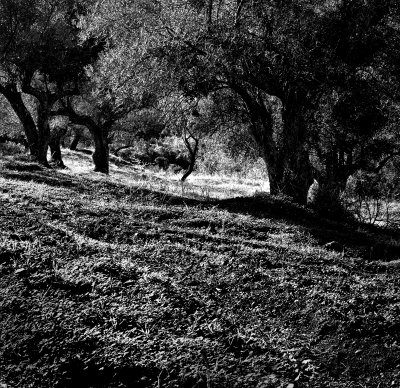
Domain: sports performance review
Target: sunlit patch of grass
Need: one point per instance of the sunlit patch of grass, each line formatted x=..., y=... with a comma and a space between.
x=213, y=186
x=196, y=186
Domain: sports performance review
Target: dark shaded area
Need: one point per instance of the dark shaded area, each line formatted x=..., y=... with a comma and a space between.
x=58, y=283
x=74, y=142
x=7, y=255
x=116, y=272
x=54, y=181
x=23, y=166
x=78, y=375
x=15, y=140
x=84, y=151
x=366, y=241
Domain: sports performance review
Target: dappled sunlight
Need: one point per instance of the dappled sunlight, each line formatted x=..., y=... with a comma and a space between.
x=227, y=212
x=138, y=177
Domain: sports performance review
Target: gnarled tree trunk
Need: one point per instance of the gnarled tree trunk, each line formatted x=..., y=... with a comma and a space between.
x=290, y=174
x=332, y=179
x=14, y=97
x=55, y=149
x=288, y=159
x=192, y=144
x=75, y=142
x=282, y=145
x=43, y=127
x=101, y=155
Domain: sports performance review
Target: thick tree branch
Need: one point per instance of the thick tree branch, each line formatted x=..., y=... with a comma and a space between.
x=385, y=160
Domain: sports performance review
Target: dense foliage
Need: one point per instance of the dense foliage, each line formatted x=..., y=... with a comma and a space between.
x=314, y=84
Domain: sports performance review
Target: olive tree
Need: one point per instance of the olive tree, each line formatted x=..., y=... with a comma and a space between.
x=41, y=55
x=278, y=59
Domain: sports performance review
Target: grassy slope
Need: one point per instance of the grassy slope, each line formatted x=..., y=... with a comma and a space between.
x=104, y=283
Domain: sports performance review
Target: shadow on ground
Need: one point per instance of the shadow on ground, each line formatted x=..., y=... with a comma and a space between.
x=353, y=239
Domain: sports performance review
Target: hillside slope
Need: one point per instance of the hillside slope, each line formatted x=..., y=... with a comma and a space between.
x=108, y=284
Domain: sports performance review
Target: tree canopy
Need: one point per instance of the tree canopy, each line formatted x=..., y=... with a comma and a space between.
x=315, y=83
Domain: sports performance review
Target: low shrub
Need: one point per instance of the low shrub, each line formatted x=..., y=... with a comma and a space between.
x=11, y=148
x=374, y=198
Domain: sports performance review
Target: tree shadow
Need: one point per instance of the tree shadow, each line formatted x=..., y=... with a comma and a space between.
x=351, y=238
x=77, y=374
x=49, y=177
x=84, y=151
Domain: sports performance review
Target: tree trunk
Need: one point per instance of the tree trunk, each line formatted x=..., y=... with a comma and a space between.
x=326, y=199
x=331, y=184
x=101, y=154
x=289, y=174
x=282, y=146
x=15, y=99
x=192, y=149
x=55, y=149
x=288, y=165
x=332, y=179
x=74, y=142
x=191, y=165
x=119, y=149
x=294, y=168
x=43, y=127
x=275, y=171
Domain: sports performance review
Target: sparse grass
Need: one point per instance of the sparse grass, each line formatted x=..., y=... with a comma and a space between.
x=197, y=186
x=120, y=281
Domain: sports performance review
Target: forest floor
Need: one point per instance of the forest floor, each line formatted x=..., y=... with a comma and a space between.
x=109, y=282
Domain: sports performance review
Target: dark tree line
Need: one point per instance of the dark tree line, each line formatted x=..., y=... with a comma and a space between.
x=315, y=83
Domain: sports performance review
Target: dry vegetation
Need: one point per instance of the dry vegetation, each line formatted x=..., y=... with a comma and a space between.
x=124, y=282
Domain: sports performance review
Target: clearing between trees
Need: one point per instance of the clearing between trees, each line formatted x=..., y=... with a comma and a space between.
x=113, y=282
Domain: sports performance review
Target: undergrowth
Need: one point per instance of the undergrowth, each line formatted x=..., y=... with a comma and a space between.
x=108, y=284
